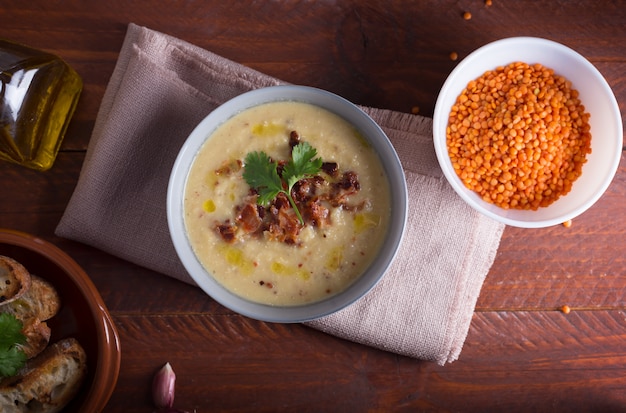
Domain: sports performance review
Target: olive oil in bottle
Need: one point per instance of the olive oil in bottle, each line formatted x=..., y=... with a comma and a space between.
x=38, y=95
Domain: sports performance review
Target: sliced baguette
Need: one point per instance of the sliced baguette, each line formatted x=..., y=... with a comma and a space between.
x=37, y=337
x=48, y=382
x=14, y=280
x=40, y=303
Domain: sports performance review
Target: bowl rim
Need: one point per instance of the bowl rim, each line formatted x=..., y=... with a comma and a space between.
x=108, y=363
x=333, y=103
x=440, y=120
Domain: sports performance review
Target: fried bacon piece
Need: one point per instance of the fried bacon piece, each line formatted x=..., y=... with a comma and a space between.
x=280, y=202
x=307, y=188
x=248, y=218
x=294, y=139
x=342, y=189
x=282, y=223
x=316, y=213
x=331, y=168
x=280, y=165
x=349, y=183
x=305, y=193
x=289, y=225
x=227, y=231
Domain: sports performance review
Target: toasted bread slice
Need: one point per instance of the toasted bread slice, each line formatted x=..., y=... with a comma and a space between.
x=40, y=303
x=48, y=382
x=37, y=337
x=14, y=280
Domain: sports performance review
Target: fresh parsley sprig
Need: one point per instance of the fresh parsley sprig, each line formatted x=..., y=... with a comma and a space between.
x=261, y=173
x=12, y=357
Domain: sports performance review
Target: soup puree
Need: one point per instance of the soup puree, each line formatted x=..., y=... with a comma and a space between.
x=327, y=259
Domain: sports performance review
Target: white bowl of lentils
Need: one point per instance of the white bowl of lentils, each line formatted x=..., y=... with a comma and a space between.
x=528, y=132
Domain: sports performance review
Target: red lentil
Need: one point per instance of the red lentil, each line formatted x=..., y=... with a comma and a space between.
x=565, y=309
x=467, y=15
x=454, y=56
x=518, y=136
x=567, y=223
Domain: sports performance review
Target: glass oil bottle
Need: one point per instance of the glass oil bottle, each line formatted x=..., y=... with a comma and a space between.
x=38, y=96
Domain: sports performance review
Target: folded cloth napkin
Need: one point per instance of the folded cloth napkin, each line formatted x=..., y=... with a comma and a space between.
x=159, y=91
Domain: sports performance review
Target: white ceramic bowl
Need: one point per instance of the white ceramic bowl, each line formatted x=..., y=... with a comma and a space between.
x=366, y=126
x=595, y=95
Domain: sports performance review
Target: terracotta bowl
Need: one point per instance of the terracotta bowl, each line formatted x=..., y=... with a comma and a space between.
x=83, y=314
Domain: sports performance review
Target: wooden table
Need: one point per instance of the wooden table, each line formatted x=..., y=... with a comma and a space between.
x=521, y=354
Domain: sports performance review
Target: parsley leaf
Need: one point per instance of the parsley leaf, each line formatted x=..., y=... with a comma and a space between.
x=261, y=173
x=302, y=164
x=12, y=358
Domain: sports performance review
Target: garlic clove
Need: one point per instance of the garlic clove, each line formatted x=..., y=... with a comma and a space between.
x=163, y=387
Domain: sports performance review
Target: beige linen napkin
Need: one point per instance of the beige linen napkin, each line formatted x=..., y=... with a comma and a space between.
x=162, y=87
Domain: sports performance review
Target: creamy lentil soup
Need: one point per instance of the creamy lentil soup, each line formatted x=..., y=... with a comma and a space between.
x=236, y=240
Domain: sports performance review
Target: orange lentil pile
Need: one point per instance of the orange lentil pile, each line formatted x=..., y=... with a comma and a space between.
x=518, y=136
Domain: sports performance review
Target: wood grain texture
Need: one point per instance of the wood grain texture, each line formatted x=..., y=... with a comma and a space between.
x=521, y=354
x=534, y=357
x=395, y=54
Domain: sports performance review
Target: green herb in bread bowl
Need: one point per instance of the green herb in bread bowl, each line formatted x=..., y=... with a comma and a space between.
x=12, y=357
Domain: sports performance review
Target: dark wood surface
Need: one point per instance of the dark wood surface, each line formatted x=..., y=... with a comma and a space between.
x=521, y=353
